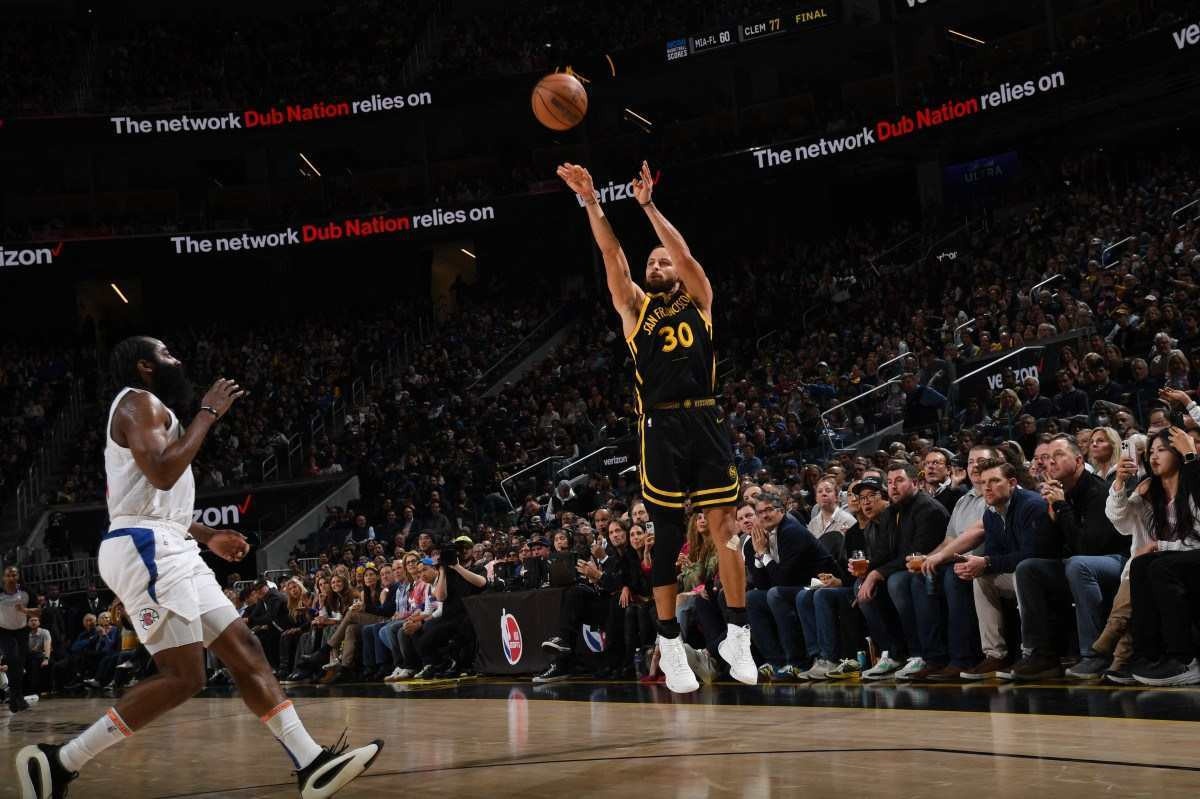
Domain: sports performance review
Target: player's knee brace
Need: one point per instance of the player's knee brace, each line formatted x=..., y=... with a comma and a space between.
x=668, y=540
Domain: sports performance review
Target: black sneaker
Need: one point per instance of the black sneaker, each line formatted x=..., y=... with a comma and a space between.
x=1037, y=667
x=1168, y=671
x=1090, y=668
x=426, y=672
x=556, y=644
x=335, y=767
x=1121, y=676
x=556, y=673
x=41, y=774
x=18, y=704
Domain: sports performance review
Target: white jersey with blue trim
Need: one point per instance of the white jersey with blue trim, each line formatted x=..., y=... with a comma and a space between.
x=133, y=501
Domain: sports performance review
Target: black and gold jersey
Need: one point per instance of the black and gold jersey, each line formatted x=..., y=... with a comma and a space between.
x=674, y=357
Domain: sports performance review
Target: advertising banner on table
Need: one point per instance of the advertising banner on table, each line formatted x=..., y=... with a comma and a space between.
x=510, y=627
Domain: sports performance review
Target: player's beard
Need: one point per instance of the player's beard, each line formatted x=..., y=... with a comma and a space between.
x=173, y=388
x=661, y=285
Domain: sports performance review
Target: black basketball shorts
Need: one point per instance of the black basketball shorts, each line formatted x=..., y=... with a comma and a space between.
x=686, y=453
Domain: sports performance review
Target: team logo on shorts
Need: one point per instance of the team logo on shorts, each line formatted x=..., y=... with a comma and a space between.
x=510, y=638
x=147, y=617
x=732, y=472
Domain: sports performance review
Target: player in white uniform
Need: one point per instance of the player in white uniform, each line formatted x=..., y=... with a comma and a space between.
x=150, y=558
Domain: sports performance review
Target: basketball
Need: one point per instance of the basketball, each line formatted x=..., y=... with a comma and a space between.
x=559, y=101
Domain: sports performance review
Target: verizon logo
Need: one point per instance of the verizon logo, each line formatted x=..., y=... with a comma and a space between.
x=616, y=191
x=29, y=256
x=1186, y=37
x=222, y=516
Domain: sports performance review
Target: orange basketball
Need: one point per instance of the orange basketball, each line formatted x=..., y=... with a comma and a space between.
x=559, y=101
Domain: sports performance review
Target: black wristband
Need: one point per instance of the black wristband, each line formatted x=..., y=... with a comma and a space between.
x=211, y=410
x=646, y=205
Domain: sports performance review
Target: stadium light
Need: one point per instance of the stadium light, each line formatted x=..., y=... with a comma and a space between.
x=310, y=165
x=968, y=37
x=124, y=299
x=639, y=120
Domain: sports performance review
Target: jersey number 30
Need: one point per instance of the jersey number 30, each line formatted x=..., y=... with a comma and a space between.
x=675, y=336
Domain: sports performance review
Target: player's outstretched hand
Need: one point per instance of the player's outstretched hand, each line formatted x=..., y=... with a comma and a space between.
x=229, y=545
x=578, y=179
x=222, y=395
x=643, y=185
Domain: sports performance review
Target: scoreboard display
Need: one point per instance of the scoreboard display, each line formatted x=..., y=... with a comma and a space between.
x=754, y=30
x=713, y=40
x=761, y=29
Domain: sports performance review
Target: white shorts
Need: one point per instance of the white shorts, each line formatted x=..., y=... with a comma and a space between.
x=170, y=594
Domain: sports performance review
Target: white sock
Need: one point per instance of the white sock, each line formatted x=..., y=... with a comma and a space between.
x=286, y=726
x=108, y=730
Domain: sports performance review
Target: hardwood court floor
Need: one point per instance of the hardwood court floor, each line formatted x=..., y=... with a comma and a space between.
x=498, y=739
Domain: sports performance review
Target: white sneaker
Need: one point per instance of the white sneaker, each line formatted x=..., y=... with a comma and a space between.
x=885, y=668
x=845, y=670
x=735, y=650
x=334, y=768
x=674, y=663
x=406, y=674
x=910, y=668
x=395, y=675
x=32, y=699
x=819, y=671
x=333, y=663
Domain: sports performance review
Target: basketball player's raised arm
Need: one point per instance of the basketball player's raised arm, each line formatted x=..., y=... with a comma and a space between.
x=626, y=295
x=691, y=274
x=140, y=422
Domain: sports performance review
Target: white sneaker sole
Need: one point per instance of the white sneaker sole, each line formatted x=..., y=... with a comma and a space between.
x=356, y=762
x=32, y=757
x=1189, y=677
x=682, y=685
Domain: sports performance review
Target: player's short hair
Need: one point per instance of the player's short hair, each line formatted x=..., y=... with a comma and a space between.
x=122, y=363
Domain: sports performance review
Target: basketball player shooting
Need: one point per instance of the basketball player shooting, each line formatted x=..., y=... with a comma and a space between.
x=150, y=558
x=686, y=453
